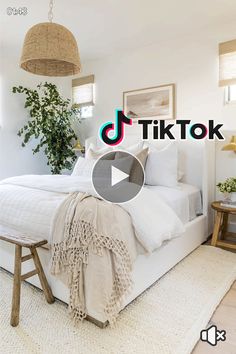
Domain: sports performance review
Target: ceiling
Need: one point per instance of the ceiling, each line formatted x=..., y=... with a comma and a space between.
x=103, y=27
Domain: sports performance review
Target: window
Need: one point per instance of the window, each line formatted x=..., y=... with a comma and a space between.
x=230, y=94
x=86, y=112
x=227, y=62
x=83, y=95
x=227, y=66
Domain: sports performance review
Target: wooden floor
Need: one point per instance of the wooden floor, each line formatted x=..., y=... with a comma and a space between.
x=225, y=319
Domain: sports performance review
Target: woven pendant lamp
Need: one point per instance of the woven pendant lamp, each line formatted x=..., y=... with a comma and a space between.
x=50, y=49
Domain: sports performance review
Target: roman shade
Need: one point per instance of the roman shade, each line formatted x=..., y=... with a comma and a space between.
x=227, y=57
x=83, y=91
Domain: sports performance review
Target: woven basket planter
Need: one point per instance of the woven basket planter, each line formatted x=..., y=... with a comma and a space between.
x=51, y=50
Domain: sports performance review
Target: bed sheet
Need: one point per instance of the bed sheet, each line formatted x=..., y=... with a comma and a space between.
x=185, y=200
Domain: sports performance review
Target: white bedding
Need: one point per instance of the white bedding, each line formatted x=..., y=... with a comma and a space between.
x=28, y=205
x=185, y=200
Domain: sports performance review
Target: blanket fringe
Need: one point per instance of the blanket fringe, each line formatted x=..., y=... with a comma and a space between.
x=72, y=255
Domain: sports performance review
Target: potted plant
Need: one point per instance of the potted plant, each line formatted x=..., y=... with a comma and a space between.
x=50, y=124
x=228, y=188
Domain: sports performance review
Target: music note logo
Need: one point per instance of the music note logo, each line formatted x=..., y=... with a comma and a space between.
x=118, y=129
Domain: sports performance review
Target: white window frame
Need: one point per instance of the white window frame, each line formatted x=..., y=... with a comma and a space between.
x=228, y=100
x=80, y=82
x=83, y=114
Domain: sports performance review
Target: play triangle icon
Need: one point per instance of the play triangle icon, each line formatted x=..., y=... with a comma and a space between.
x=117, y=176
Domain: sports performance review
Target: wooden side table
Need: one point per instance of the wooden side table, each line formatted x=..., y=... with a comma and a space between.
x=221, y=237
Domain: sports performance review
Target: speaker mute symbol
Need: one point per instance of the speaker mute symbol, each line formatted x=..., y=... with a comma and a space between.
x=212, y=335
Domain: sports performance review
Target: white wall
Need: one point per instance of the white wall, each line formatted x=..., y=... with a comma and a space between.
x=226, y=167
x=15, y=160
x=190, y=62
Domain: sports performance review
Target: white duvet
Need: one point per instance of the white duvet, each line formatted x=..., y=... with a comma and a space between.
x=28, y=205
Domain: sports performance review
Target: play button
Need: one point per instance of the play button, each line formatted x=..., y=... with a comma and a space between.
x=118, y=176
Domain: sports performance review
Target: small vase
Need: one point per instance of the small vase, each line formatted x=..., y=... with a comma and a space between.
x=227, y=197
x=233, y=197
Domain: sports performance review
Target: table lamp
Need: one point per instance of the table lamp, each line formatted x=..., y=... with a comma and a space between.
x=232, y=145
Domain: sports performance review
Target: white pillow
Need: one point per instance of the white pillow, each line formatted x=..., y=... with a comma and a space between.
x=162, y=167
x=94, y=155
x=133, y=149
x=94, y=152
x=83, y=167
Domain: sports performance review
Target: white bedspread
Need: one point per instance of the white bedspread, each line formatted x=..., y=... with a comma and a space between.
x=28, y=205
x=184, y=199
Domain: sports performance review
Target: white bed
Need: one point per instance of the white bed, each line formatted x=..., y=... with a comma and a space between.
x=198, y=182
x=185, y=200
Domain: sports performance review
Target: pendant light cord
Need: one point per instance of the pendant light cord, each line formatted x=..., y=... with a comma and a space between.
x=50, y=13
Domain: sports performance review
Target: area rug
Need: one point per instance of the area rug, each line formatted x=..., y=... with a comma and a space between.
x=166, y=319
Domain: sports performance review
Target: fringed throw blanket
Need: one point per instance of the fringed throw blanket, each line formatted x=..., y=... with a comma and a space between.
x=93, y=239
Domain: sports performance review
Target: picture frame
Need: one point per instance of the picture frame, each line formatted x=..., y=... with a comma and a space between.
x=150, y=103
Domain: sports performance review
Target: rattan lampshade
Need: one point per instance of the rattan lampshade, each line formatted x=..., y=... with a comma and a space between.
x=50, y=49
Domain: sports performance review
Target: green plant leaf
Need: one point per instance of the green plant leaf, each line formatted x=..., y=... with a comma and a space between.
x=50, y=121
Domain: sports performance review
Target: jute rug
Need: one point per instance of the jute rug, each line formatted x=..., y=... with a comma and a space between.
x=167, y=319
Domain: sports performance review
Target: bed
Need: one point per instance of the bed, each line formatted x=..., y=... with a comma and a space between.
x=190, y=200
x=185, y=200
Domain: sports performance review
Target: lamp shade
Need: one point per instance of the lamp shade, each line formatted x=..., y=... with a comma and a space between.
x=50, y=49
x=231, y=146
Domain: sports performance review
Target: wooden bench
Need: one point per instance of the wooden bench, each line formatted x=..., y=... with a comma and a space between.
x=32, y=245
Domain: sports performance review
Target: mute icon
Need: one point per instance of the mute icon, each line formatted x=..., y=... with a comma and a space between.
x=212, y=335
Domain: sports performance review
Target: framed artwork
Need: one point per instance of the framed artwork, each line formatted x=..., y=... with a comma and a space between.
x=150, y=103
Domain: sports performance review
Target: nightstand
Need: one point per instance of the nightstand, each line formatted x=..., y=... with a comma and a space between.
x=221, y=237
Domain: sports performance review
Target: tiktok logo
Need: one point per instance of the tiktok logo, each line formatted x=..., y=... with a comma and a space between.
x=118, y=129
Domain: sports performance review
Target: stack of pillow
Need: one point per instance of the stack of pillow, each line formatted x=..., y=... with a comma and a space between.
x=161, y=166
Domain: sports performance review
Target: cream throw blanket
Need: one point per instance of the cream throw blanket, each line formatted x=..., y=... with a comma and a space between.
x=85, y=228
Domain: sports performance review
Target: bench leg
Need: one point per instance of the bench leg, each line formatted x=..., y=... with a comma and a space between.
x=16, y=287
x=43, y=280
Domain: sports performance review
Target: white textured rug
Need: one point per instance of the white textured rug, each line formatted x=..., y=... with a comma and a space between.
x=166, y=319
